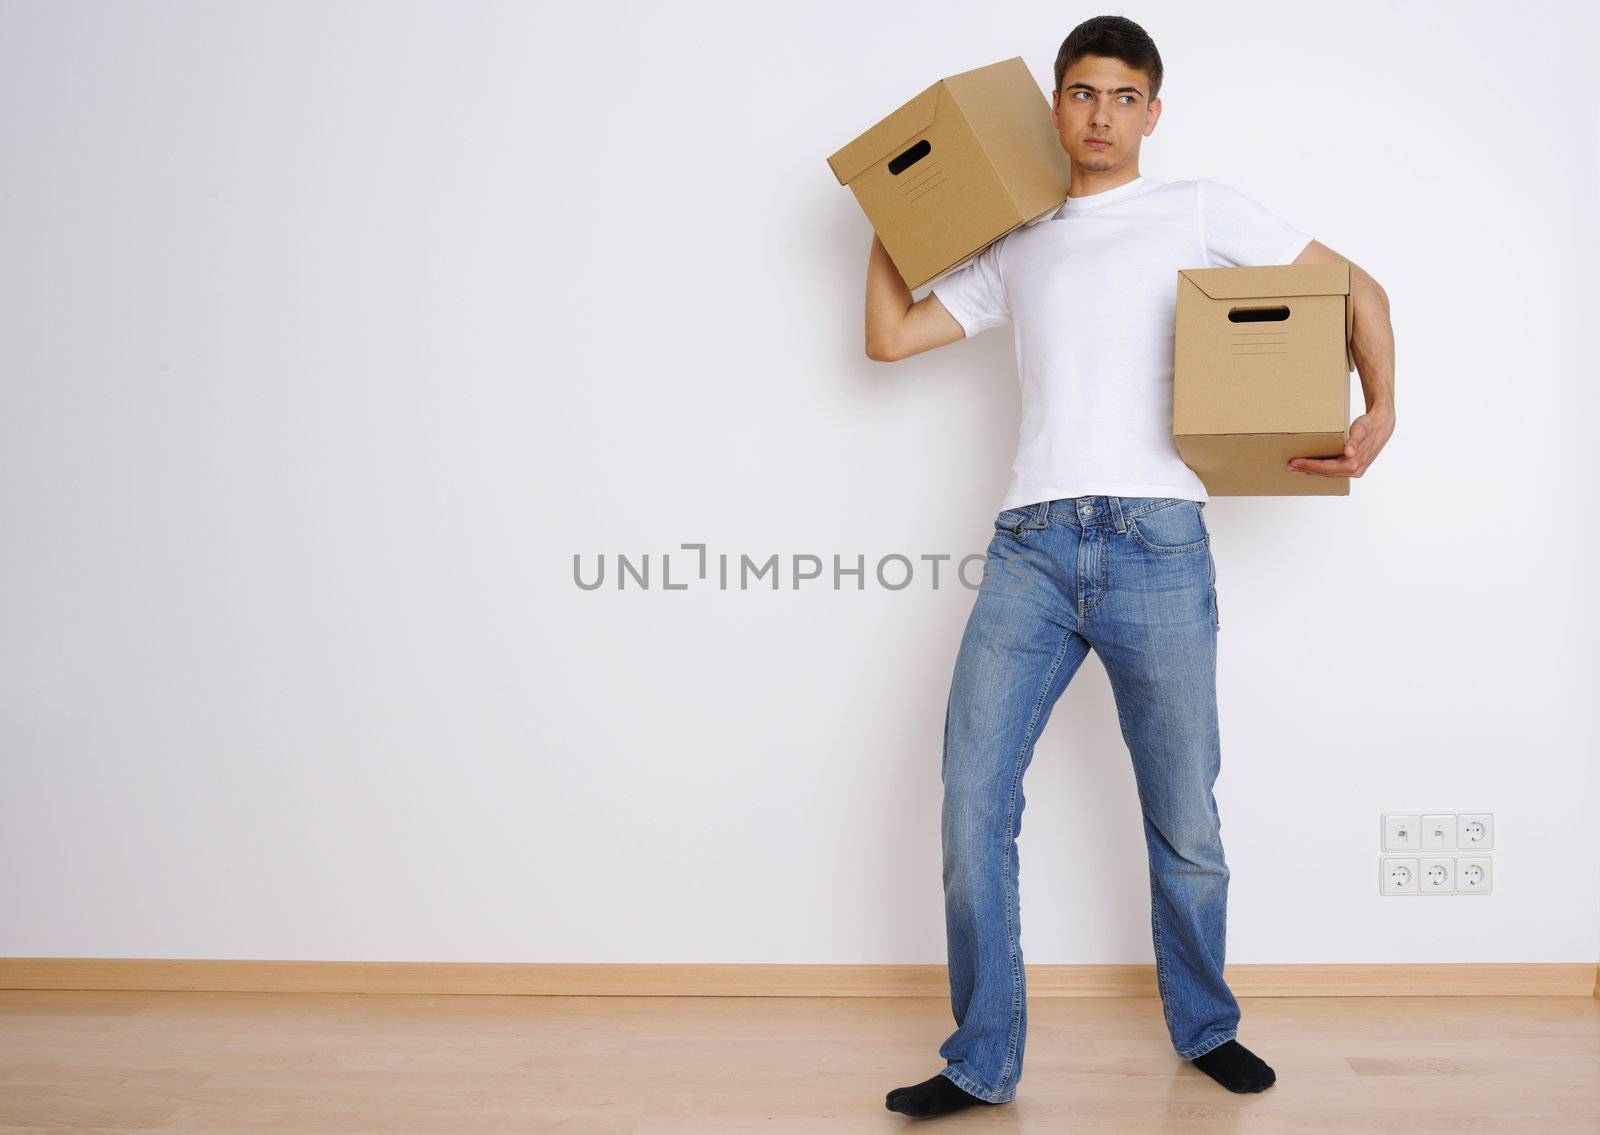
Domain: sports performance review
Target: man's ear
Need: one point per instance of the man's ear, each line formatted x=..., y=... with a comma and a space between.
x=1152, y=113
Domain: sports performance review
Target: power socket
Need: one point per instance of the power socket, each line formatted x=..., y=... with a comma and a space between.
x=1438, y=874
x=1398, y=876
x=1475, y=830
x=1474, y=875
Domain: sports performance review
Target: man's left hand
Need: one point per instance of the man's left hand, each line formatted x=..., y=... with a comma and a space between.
x=1368, y=435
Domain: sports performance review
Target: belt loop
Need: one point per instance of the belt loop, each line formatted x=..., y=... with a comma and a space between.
x=1040, y=518
x=1116, y=514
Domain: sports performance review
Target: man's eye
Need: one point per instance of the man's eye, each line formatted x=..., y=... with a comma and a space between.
x=1129, y=99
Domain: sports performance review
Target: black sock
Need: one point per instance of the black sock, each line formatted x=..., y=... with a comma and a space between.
x=931, y=1097
x=1236, y=1068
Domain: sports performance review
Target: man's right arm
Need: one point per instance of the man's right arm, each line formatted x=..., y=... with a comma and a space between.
x=896, y=327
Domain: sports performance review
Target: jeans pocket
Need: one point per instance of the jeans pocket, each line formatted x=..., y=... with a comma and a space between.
x=1172, y=529
x=1011, y=521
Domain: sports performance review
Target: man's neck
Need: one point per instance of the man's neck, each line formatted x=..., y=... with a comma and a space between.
x=1087, y=181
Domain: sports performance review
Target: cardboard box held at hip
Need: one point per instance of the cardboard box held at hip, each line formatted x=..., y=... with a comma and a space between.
x=1261, y=374
x=962, y=164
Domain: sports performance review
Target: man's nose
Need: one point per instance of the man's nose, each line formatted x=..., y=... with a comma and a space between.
x=1102, y=113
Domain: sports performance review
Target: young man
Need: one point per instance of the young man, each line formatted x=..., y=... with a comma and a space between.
x=1109, y=520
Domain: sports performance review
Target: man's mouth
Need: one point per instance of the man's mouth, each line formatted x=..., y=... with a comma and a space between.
x=1098, y=144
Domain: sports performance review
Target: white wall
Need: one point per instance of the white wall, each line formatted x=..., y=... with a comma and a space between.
x=332, y=332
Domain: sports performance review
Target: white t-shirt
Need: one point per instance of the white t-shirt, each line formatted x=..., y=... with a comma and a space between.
x=1091, y=293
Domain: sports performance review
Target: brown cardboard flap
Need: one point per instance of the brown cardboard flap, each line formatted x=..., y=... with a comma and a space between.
x=887, y=136
x=1272, y=280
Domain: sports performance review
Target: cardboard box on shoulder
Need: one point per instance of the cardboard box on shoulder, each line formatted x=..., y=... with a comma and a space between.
x=956, y=168
x=1261, y=374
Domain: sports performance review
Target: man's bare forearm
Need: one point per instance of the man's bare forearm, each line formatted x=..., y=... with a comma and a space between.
x=888, y=300
x=1372, y=341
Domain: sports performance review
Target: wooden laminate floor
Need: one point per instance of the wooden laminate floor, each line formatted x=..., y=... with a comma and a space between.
x=223, y=1062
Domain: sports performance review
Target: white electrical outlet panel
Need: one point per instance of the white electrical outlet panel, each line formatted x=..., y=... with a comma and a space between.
x=1434, y=871
x=1474, y=875
x=1402, y=831
x=1439, y=832
x=1475, y=830
x=1438, y=874
x=1398, y=876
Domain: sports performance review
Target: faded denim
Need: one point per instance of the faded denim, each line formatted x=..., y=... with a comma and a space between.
x=1133, y=579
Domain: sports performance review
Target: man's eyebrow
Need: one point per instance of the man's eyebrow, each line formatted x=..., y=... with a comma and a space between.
x=1095, y=90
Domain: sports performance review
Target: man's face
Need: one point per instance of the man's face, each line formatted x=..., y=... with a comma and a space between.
x=1102, y=111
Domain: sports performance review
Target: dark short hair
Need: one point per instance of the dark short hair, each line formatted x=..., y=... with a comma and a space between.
x=1116, y=37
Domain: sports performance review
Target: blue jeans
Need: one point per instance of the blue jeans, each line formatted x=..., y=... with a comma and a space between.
x=1132, y=578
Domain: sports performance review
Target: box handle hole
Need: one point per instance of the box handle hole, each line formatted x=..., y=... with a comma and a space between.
x=1258, y=314
x=911, y=157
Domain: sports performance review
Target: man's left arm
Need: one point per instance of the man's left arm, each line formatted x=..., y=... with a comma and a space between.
x=1372, y=344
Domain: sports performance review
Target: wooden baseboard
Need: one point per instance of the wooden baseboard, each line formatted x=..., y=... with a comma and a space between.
x=1444, y=979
